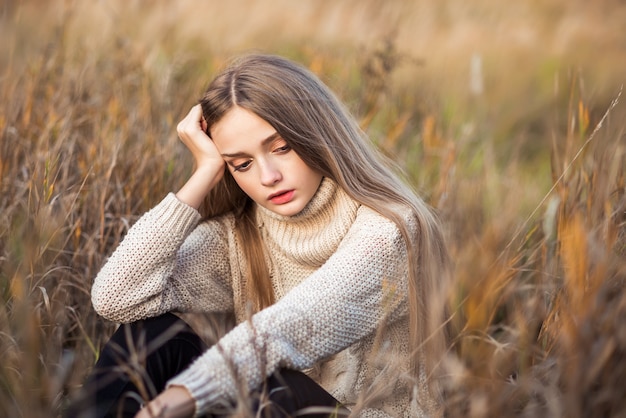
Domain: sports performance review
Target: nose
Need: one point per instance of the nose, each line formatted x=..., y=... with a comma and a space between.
x=270, y=174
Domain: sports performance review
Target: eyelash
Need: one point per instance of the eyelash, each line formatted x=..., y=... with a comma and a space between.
x=244, y=166
x=284, y=148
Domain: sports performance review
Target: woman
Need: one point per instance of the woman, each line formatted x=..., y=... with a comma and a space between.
x=328, y=261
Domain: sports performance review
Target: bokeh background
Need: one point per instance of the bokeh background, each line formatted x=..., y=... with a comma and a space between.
x=508, y=117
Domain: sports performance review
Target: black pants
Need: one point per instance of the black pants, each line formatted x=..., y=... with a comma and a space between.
x=141, y=357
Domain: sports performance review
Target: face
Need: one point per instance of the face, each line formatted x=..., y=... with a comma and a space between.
x=262, y=163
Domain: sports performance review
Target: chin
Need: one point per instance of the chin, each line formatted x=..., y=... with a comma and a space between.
x=286, y=210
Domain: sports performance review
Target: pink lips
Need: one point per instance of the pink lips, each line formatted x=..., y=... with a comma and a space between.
x=282, y=197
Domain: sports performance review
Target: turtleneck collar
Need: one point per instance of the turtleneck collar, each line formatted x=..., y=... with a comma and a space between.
x=313, y=235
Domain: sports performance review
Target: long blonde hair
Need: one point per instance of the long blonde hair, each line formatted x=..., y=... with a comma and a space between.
x=328, y=139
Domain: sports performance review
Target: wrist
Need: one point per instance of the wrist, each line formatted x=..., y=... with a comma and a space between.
x=174, y=402
x=203, y=179
x=209, y=170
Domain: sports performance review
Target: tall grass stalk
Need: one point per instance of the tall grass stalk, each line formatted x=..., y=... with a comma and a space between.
x=533, y=203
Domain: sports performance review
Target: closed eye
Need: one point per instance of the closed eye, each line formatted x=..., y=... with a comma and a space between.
x=283, y=149
x=241, y=167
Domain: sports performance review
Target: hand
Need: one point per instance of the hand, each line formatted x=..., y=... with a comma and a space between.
x=173, y=402
x=192, y=132
x=210, y=165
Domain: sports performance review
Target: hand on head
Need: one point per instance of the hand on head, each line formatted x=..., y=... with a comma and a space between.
x=209, y=163
x=192, y=132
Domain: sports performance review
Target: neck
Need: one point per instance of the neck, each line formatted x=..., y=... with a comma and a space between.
x=311, y=236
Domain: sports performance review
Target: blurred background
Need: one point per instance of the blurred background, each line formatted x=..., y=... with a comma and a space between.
x=506, y=116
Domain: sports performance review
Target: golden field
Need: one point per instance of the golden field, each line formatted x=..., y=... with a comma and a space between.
x=509, y=118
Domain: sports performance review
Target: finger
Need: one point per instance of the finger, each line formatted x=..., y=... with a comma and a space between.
x=195, y=117
x=195, y=113
x=191, y=123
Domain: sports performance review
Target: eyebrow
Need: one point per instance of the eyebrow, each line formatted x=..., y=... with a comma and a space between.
x=263, y=143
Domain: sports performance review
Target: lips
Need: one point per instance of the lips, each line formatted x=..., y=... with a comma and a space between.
x=282, y=197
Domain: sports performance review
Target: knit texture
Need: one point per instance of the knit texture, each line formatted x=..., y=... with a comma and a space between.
x=339, y=272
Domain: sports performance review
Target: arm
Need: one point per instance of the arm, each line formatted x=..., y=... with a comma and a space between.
x=161, y=265
x=209, y=163
x=166, y=263
x=338, y=305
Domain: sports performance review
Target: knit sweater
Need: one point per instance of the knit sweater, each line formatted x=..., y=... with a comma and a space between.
x=339, y=273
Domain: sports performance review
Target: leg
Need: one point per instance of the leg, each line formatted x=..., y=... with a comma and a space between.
x=136, y=364
x=290, y=393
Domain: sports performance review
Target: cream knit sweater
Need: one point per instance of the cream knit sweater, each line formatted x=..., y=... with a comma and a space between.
x=339, y=272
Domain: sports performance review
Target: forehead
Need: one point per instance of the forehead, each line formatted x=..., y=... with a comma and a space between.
x=239, y=124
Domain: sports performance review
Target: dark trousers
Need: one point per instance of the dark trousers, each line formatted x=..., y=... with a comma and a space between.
x=141, y=357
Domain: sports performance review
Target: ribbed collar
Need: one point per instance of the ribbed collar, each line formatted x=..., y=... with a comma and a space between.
x=313, y=235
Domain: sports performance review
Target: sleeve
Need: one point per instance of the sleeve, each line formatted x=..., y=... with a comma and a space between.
x=166, y=262
x=345, y=300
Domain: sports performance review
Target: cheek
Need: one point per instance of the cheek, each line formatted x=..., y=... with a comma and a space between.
x=244, y=184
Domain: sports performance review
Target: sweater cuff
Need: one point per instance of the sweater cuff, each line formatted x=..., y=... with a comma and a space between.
x=171, y=213
x=211, y=387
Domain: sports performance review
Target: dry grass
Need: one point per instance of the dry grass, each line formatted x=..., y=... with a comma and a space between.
x=493, y=110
